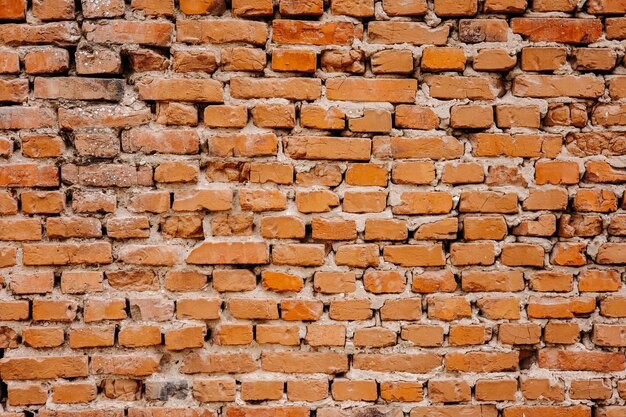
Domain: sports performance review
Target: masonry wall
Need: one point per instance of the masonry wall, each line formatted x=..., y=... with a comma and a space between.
x=301, y=208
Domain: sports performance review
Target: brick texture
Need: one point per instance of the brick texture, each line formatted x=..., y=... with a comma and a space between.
x=297, y=208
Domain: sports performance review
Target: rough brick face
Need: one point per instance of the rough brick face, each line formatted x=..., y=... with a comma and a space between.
x=342, y=208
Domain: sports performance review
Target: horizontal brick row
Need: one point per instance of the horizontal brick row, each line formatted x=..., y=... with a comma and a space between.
x=225, y=389
x=240, y=334
x=353, y=88
x=432, y=59
x=66, y=9
x=442, y=307
x=312, y=255
x=299, y=148
x=301, y=411
x=296, y=32
x=322, y=362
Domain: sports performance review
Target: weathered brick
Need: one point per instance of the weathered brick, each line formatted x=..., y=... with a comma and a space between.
x=221, y=31
x=101, y=117
x=406, y=32
x=192, y=7
x=151, y=33
x=315, y=33
x=320, y=147
x=51, y=367
x=558, y=30
x=558, y=86
x=229, y=253
x=354, y=8
x=248, y=8
x=159, y=89
x=288, y=88
x=67, y=254
x=14, y=91
x=392, y=62
x=299, y=7
x=57, y=33
x=152, y=8
x=300, y=60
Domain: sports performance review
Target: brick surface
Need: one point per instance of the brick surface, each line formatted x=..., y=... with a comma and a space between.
x=295, y=208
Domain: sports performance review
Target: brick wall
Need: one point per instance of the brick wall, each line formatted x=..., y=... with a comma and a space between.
x=364, y=208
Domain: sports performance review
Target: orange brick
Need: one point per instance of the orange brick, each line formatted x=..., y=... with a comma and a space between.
x=315, y=33
x=297, y=60
x=443, y=59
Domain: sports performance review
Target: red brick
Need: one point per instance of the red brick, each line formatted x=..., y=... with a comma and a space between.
x=288, y=88
x=392, y=32
x=73, y=393
x=299, y=60
x=494, y=60
x=205, y=90
x=351, y=390
x=615, y=28
x=410, y=363
x=449, y=87
x=286, y=411
x=102, y=116
x=560, y=307
x=299, y=7
x=106, y=8
x=304, y=362
x=558, y=86
x=334, y=282
x=581, y=360
x=449, y=390
x=402, y=8
x=51, y=367
x=483, y=30
x=322, y=147
x=33, y=283
x=361, y=89
x=533, y=411
x=98, y=145
x=165, y=141
x=192, y=7
x=53, y=9
x=315, y=33
x=130, y=32
x=414, y=255
x=14, y=90
x=125, y=365
x=274, y=116
x=445, y=8
x=194, y=61
x=151, y=8
x=392, y=62
x=14, y=10
x=67, y=254
x=47, y=61
x=505, y=6
x=554, y=6
x=107, y=175
x=482, y=361
x=62, y=33
x=42, y=337
x=558, y=30
x=221, y=31
x=248, y=8
x=354, y=8
x=606, y=7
